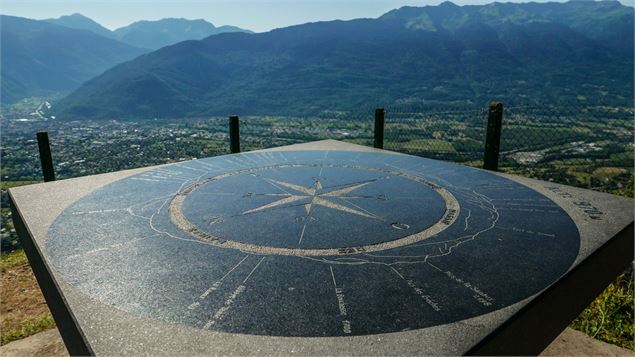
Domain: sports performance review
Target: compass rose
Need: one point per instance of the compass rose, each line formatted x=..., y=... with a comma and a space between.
x=328, y=212
x=316, y=195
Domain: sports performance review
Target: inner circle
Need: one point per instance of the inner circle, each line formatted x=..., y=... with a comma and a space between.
x=309, y=210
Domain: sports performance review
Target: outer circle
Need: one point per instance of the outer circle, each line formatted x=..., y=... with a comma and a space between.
x=119, y=245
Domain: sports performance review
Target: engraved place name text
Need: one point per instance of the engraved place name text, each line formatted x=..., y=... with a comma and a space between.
x=588, y=208
x=428, y=300
x=479, y=295
x=449, y=217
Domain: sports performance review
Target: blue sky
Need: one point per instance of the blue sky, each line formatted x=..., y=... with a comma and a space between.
x=251, y=14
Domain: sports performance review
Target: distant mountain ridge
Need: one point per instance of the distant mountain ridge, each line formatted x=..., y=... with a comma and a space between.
x=81, y=22
x=537, y=52
x=39, y=58
x=53, y=56
x=607, y=22
x=149, y=34
x=165, y=32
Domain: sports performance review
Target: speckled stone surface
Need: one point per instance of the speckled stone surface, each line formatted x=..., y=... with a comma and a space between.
x=320, y=248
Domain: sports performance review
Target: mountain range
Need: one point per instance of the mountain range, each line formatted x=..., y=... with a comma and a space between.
x=149, y=34
x=53, y=56
x=39, y=58
x=81, y=22
x=437, y=55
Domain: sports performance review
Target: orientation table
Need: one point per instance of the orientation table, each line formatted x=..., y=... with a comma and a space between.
x=322, y=248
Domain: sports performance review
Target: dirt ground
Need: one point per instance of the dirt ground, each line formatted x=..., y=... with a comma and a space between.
x=569, y=343
x=20, y=298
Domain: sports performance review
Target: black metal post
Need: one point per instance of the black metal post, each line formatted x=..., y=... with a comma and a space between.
x=45, y=156
x=234, y=135
x=493, y=136
x=379, y=128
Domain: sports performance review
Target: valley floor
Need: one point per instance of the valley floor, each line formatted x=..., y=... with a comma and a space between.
x=593, y=152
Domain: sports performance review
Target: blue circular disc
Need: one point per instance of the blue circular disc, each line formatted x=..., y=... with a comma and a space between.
x=312, y=243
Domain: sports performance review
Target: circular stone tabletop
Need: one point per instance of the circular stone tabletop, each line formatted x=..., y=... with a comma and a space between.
x=312, y=243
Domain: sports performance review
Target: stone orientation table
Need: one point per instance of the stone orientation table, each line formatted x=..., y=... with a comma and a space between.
x=323, y=248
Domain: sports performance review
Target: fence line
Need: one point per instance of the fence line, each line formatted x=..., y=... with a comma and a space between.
x=578, y=145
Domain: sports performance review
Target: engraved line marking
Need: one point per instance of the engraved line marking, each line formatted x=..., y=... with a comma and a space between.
x=371, y=215
x=529, y=210
x=342, y=191
x=302, y=234
x=341, y=305
x=397, y=272
x=144, y=179
x=275, y=204
x=219, y=193
x=469, y=213
x=217, y=283
x=435, y=267
x=108, y=247
x=253, y=270
x=191, y=168
x=348, y=184
x=226, y=306
x=520, y=230
x=232, y=298
x=305, y=190
x=100, y=211
x=480, y=296
x=276, y=186
x=418, y=291
x=207, y=165
x=526, y=205
x=521, y=199
x=333, y=276
x=325, y=203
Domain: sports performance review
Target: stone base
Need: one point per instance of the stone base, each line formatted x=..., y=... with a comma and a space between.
x=569, y=343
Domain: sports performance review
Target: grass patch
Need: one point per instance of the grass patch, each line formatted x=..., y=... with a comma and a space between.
x=12, y=259
x=28, y=328
x=23, y=310
x=609, y=318
x=432, y=145
x=9, y=184
x=607, y=173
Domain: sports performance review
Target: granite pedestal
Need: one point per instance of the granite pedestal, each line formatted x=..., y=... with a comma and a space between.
x=318, y=249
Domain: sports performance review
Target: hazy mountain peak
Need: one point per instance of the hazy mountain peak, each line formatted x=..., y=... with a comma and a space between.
x=75, y=14
x=81, y=22
x=155, y=34
x=41, y=58
x=448, y=4
x=177, y=21
x=588, y=17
